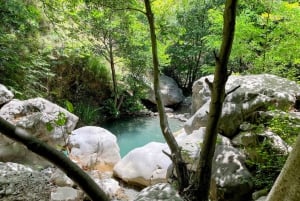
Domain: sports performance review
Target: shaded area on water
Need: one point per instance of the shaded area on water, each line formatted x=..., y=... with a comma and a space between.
x=137, y=131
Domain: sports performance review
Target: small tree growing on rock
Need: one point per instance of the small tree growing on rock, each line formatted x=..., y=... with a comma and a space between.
x=199, y=189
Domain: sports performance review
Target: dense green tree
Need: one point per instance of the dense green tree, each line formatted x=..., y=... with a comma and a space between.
x=189, y=55
x=203, y=173
x=176, y=155
x=23, y=61
x=266, y=38
x=106, y=27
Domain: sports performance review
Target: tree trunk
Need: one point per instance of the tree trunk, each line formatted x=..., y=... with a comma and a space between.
x=287, y=184
x=113, y=72
x=203, y=174
x=179, y=164
x=57, y=158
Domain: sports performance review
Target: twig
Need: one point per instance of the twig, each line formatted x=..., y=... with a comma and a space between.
x=232, y=90
x=210, y=84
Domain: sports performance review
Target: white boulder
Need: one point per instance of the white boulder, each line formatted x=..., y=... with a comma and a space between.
x=171, y=94
x=42, y=119
x=94, y=147
x=145, y=165
x=256, y=92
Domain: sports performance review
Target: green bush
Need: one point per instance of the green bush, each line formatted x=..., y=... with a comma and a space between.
x=266, y=166
x=286, y=127
x=87, y=113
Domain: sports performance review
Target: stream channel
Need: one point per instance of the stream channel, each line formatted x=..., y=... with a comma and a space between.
x=135, y=132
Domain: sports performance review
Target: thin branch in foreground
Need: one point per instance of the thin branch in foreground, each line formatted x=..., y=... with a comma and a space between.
x=232, y=90
x=84, y=181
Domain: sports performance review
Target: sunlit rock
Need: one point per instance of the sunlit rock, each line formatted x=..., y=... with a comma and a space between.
x=158, y=192
x=5, y=95
x=42, y=119
x=111, y=187
x=94, y=148
x=231, y=179
x=65, y=194
x=252, y=144
x=145, y=165
x=256, y=92
x=148, y=165
x=263, y=198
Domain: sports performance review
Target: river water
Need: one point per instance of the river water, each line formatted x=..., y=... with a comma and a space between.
x=137, y=131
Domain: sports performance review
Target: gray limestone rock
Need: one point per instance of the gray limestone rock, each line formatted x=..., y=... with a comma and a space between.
x=5, y=95
x=170, y=92
x=65, y=194
x=158, y=192
x=256, y=92
x=18, y=182
x=39, y=117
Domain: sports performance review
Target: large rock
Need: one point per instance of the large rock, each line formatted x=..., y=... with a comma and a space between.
x=256, y=92
x=231, y=179
x=42, y=119
x=159, y=192
x=145, y=165
x=148, y=165
x=5, y=95
x=228, y=168
x=190, y=144
x=171, y=94
x=252, y=142
x=18, y=182
x=94, y=147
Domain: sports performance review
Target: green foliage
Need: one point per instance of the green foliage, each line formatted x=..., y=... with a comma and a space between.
x=266, y=38
x=98, y=67
x=87, y=113
x=265, y=161
x=23, y=67
x=69, y=106
x=61, y=119
x=266, y=166
x=110, y=108
x=189, y=53
x=286, y=127
x=60, y=49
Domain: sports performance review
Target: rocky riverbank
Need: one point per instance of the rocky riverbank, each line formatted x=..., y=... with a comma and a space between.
x=246, y=124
